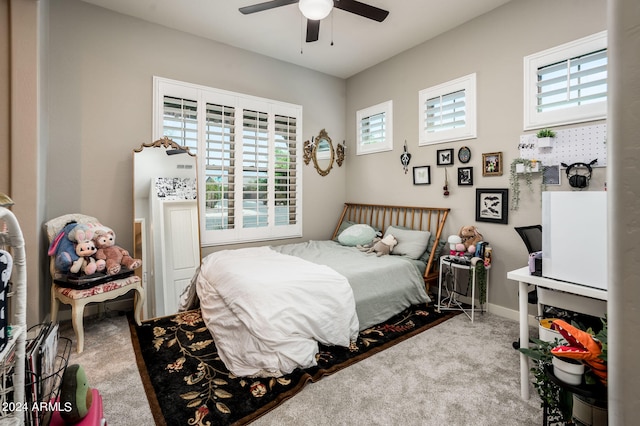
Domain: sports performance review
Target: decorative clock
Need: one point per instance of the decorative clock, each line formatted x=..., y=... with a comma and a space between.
x=464, y=154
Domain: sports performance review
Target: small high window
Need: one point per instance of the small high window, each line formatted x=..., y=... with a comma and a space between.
x=566, y=84
x=448, y=111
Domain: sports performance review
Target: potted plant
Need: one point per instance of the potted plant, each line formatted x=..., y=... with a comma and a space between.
x=556, y=402
x=521, y=167
x=545, y=138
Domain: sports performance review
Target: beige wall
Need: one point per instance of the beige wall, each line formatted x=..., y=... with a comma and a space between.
x=100, y=81
x=493, y=46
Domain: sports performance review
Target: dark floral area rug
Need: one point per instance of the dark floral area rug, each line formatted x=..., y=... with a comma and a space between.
x=187, y=383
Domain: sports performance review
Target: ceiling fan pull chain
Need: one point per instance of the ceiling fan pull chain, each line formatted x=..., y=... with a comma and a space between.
x=301, y=33
x=332, y=28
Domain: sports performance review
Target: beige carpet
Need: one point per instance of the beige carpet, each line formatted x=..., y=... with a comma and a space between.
x=456, y=373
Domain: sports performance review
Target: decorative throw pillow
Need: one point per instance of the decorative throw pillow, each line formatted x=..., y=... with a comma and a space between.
x=344, y=225
x=357, y=234
x=411, y=243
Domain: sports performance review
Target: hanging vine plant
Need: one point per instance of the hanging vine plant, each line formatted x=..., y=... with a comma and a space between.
x=514, y=178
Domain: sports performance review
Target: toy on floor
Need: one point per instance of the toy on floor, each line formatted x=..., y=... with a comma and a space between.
x=76, y=396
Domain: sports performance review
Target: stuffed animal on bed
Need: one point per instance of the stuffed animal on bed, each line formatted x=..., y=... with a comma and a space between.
x=470, y=237
x=380, y=246
x=115, y=256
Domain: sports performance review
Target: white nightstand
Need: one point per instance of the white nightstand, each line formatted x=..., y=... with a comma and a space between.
x=450, y=301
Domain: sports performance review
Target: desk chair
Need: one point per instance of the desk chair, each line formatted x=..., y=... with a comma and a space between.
x=79, y=298
x=532, y=237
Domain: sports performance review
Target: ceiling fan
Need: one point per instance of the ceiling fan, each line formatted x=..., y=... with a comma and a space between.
x=316, y=10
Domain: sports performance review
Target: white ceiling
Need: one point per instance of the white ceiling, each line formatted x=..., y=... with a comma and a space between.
x=358, y=43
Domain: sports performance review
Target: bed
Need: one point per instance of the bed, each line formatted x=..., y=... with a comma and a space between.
x=268, y=307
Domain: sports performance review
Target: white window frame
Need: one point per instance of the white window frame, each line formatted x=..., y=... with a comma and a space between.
x=386, y=142
x=577, y=114
x=428, y=136
x=166, y=87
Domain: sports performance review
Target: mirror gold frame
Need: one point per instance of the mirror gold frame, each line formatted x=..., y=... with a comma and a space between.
x=321, y=155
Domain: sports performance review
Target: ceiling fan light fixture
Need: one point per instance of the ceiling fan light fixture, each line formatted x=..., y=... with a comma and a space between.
x=315, y=9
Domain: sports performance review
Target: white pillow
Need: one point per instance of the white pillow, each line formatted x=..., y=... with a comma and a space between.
x=411, y=243
x=357, y=234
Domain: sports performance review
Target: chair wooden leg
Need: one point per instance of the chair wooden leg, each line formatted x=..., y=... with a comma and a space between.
x=139, y=302
x=55, y=305
x=77, y=316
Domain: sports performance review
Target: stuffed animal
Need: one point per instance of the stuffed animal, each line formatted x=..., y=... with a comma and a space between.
x=63, y=248
x=85, y=262
x=114, y=256
x=470, y=237
x=380, y=246
x=75, y=394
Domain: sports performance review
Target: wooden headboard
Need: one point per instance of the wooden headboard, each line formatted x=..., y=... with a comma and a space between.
x=379, y=216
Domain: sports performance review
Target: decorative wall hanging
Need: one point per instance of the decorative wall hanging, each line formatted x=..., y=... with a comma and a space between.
x=340, y=154
x=445, y=157
x=422, y=175
x=492, y=205
x=445, y=188
x=464, y=154
x=465, y=176
x=405, y=157
x=492, y=164
x=308, y=150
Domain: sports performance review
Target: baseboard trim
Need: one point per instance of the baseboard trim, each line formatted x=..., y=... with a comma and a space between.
x=511, y=314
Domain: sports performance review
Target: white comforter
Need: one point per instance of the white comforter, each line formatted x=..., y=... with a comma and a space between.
x=267, y=311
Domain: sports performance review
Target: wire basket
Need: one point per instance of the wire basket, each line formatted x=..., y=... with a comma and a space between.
x=42, y=392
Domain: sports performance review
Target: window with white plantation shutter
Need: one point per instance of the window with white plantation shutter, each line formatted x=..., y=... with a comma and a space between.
x=180, y=117
x=567, y=84
x=248, y=159
x=448, y=111
x=375, y=128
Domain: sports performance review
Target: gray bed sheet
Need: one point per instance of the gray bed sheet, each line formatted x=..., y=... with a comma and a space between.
x=382, y=286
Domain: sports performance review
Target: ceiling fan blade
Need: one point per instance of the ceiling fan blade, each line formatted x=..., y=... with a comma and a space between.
x=313, y=30
x=265, y=6
x=364, y=10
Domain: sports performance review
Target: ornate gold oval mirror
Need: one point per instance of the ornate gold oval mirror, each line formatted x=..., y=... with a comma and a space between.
x=166, y=222
x=322, y=153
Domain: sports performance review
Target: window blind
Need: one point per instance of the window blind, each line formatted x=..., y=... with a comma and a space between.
x=577, y=81
x=180, y=121
x=445, y=112
x=372, y=129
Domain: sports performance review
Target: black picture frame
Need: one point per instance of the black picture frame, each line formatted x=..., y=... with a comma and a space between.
x=422, y=175
x=492, y=205
x=444, y=157
x=465, y=176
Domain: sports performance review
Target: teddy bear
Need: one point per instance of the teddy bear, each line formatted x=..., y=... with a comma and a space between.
x=470, y=238
x=380, y=246
x=115, y=256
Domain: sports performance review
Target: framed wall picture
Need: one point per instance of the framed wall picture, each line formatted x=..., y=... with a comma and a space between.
x=551, y=175
x=465, y=176
x=445, y=157
x=492, y=164
x=492, y=205
x=422, y=175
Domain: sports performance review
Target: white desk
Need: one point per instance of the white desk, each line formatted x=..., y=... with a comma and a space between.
x=524, y=279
